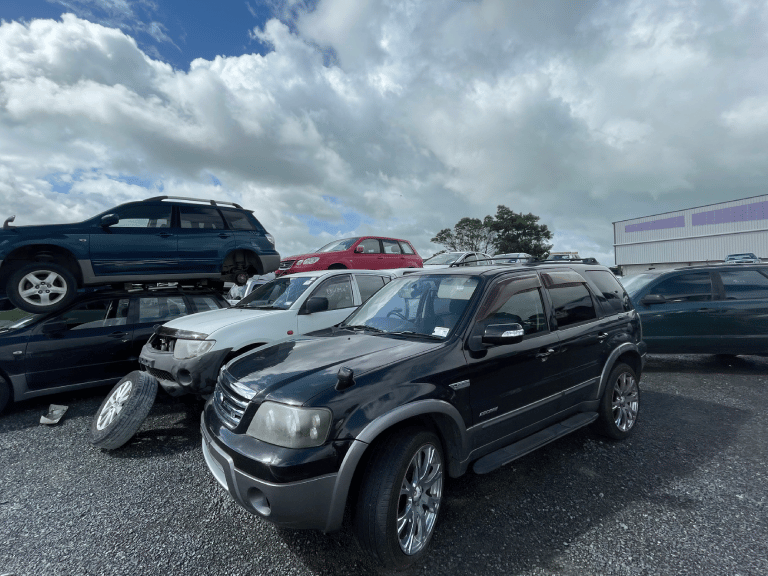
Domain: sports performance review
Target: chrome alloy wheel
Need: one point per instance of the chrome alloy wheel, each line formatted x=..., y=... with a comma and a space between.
x=114, y=405
x=419, y=501
x=625, y=401
x=42, y=287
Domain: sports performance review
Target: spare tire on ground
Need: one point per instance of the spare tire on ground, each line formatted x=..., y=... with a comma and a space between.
x=121, y=414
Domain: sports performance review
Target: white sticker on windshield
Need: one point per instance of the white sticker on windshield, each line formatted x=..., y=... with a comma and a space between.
x=440, y=331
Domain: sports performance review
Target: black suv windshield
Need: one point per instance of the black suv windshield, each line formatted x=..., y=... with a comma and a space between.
x=417, y=305
x=280, y=293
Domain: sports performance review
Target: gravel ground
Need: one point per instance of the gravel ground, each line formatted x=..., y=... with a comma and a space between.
x=687, y=494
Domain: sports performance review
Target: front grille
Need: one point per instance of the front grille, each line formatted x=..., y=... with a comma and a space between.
x=159, y=374
x=229, y=404
x=285, y=264
x=162, y=343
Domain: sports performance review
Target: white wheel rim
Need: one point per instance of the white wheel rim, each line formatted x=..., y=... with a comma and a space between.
x=625, y=402
x=419, y=500
x=114, y=405
x=42, y=287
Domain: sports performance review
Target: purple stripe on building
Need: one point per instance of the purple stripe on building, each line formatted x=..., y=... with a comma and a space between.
x=745, y=213
x=663, y=224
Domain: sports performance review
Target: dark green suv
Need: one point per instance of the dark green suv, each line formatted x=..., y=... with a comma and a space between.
x=720, y=309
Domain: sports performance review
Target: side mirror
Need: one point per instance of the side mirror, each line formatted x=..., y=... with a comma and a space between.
x=109, y=220
x=359, y=250
x=653, y=299
x=54, y=327
x=316, y=304
x=503, y=334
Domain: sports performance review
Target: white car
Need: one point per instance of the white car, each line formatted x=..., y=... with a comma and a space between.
x=237, y=293
x=185, y=355
x=446, y=259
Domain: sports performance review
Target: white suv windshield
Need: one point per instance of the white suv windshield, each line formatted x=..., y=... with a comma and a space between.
x=418, y=305
x=445, y=258
x=280, y=293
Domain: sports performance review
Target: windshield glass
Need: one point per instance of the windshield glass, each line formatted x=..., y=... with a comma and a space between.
x=444, y=258
x=634, y=283
x=338, y=245
x=280, y=293
x=420, y=305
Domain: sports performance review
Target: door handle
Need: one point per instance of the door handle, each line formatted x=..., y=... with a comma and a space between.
x=117, y=334
x=165, y=234
x=602, y=335
x=545, y=353
x=222, y=235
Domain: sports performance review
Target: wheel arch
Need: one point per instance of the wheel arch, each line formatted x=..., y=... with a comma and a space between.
x=41, y=253
x=438, y=416
x=626, y=353
x=242, y=259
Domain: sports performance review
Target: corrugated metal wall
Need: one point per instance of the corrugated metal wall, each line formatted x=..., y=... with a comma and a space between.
x=696, y=234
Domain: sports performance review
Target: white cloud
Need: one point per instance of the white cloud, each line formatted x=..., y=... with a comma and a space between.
x=582, y=113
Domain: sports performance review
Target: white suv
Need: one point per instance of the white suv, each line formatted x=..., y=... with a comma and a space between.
x=185, y=355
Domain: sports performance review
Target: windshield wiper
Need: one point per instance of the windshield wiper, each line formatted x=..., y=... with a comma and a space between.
x=361, y=327
x=419, y=334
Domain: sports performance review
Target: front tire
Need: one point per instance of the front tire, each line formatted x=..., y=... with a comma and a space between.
x=41, y=287
x=124, y=410
x=620, y=404
x=400, y=498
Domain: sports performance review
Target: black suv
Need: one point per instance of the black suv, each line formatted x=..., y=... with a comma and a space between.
x=166, y=238
x=95, y=341
x=437, y=372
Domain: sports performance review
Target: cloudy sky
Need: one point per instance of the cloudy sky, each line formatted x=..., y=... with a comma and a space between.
x=335, y=118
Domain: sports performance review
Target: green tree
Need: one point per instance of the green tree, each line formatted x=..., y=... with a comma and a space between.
x=468, y=235
x=520, y=233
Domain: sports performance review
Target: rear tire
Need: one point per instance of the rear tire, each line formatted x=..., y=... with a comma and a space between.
x=123, y=411
x=400, y=497
x=41, y=287
x=620, y=404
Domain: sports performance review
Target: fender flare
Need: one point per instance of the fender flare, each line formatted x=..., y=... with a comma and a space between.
x=621, y=349
x=369, y=434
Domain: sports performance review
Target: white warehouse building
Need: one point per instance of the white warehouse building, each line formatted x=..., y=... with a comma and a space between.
x=692, y=237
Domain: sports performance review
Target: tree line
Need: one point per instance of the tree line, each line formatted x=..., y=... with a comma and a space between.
x=504, y=233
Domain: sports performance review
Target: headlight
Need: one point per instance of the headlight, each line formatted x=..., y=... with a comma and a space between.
x=298, y=262
x=270, y=238
x=311, y=260
x=190, y=348
x=289, y=426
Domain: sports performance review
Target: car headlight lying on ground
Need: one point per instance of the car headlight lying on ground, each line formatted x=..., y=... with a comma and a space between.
x=185, y=349
x=289, y=426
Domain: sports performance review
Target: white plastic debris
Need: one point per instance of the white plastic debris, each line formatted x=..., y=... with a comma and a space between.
x=55, y=413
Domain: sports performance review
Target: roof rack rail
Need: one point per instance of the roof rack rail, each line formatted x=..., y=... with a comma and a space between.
x=212, y=202
x=576, y=260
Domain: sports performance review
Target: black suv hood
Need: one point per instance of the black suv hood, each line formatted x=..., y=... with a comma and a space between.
x=294, y=371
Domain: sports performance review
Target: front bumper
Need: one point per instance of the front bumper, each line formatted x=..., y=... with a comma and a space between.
x=306, y=504
x=192, y=376
x=270, y=262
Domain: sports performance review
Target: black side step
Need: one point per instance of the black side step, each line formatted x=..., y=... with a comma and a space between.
x=505, y=455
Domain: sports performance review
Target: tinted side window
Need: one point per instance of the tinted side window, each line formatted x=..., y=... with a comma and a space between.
x=161, y=308
x=144, y=217
x=391, y=247
x=370, y=246
x=744, y=284
x=96, y=314
x=515, y=301
x=368, y=285
x=615, y=296
x=694, y=287
x=238, y=220
x=406, y=248
x=200, y=217
x=204, y=303
x=572, y=304
x=338, y=291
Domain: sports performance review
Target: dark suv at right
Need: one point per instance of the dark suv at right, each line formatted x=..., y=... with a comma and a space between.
x=719, y=309
x=166, y=238
x=437, y=372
